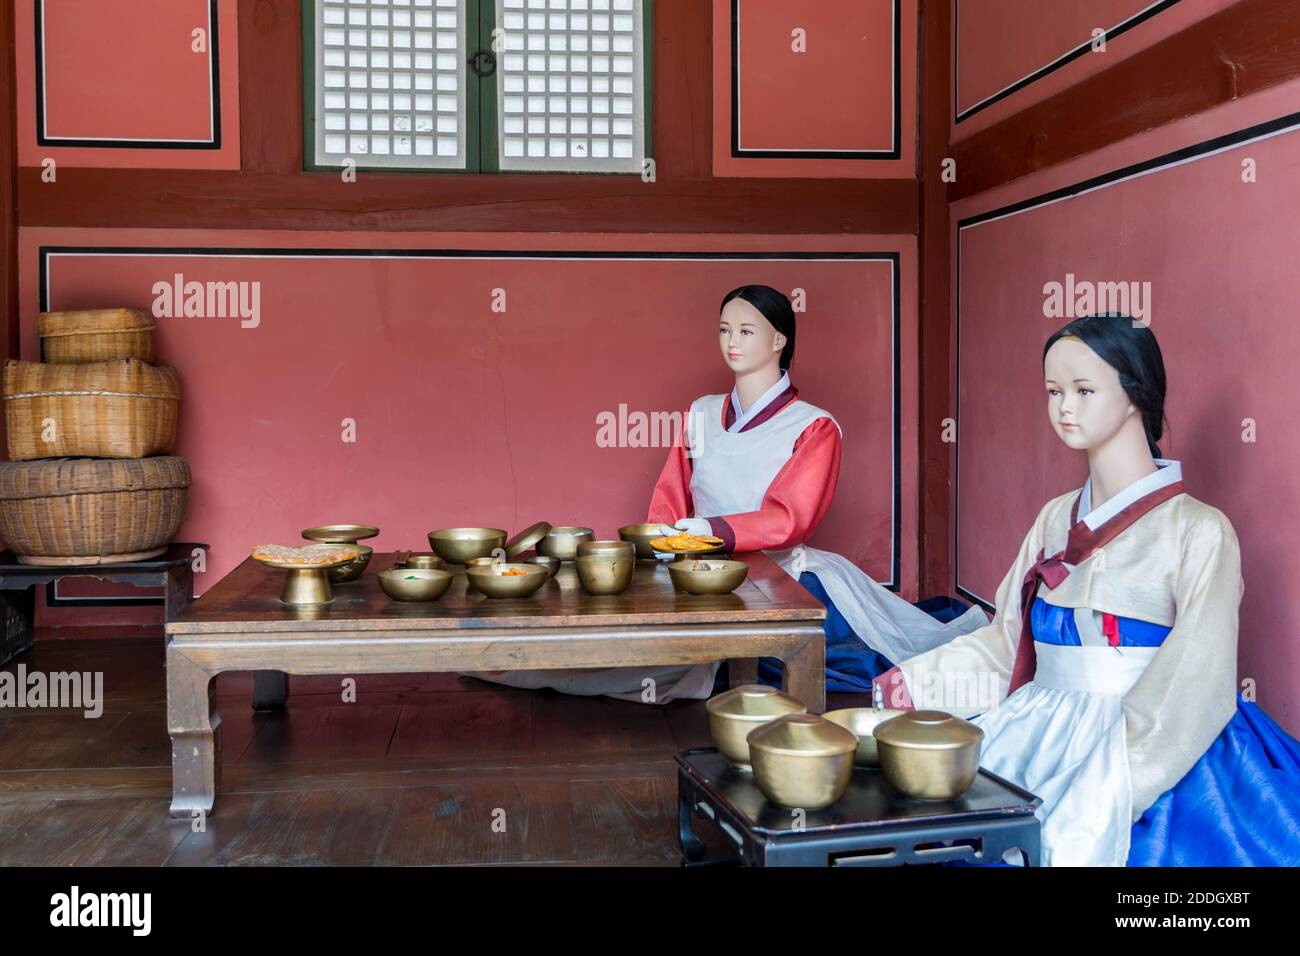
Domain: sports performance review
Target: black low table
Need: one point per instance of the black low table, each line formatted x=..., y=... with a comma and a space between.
x=871, y=825
x=172, y=571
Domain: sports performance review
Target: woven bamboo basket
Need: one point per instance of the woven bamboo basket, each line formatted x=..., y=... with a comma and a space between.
x=121, y=409
x=96, y=335
x=76, y=511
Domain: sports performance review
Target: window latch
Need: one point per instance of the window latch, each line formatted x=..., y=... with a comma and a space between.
x=483, y=63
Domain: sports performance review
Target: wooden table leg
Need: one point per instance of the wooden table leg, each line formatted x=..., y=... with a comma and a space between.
x=742, y=670
x=270, y=690
x=178, y=590
x=805, y=673
x=195, y=729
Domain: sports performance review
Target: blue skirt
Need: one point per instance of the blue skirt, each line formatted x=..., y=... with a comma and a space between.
x=1239, y=805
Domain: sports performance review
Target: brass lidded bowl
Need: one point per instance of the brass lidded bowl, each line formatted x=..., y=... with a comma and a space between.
x=415, y=584
x=863, y=721
x=734, y=713
x=340, y=533
x=641, y=535
x=353, y=569
x=928, y=754
x=527, y=539
x=708, y=576
x=802, y=760
x=426, y=561
x=458, y=545
x=492, y=583
x=605, y=573
x=610, y=548
x=562, y=542
x=552, y=565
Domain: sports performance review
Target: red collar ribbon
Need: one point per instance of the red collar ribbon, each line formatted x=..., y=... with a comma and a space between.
x=1082, y=543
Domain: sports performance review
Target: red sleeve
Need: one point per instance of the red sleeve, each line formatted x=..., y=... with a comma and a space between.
x=893, y=689
x=671, y=499
x=797, y=499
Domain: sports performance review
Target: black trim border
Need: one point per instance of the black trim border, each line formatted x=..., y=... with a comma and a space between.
x=894, y=152
x=960, y=115
x=894, y=258
x=214, y=58
x=1177, y=157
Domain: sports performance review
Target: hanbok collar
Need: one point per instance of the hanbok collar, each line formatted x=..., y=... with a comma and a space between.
x=1167, y=472
x=766, y=405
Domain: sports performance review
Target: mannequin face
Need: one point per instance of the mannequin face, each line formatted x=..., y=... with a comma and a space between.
x=1085, y=401
x=748, y=341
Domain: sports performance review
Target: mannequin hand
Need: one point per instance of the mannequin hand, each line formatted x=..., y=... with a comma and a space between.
x=695, y=526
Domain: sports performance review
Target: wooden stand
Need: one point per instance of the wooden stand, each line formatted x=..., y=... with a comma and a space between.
x=172, y=571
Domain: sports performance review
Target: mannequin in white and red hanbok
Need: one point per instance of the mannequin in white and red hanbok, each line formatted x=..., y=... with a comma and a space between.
x=758, y=468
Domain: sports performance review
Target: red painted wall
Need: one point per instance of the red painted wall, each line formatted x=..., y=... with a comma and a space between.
x=998, y=43
x=1219, y=254
x=465, y=416
x=850, y=90
x=115, y=71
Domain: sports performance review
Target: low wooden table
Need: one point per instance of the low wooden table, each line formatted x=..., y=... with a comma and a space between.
x=240, y=624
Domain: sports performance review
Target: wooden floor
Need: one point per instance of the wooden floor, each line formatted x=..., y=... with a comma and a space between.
x=415, y=772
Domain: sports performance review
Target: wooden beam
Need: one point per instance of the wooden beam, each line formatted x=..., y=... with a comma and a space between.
x=1245, y=48
x=935, y=459
x=8, y=186
x=400, y=202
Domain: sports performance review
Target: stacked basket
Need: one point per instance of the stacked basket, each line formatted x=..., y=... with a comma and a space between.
x=90, y=477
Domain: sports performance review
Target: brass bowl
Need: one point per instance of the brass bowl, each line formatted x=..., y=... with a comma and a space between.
x=552, y=565
x=482, y=562
x=707, y=575
x=641, y=536
x=609, y=548
x=802, y=760
x=414, y=584
x=734, y=713
x=340, y=533
x=491, y=583
x=458, y=545
x=929, y=755
x=353, y=569
x=562, y=542
x=863, y=721
x=429, y=562
x=605, y=573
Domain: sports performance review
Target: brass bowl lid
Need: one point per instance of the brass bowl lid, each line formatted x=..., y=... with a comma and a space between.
x=803, y=735
x=340, y=533
x=527, y=538
x=929, y=730
x=754, y=702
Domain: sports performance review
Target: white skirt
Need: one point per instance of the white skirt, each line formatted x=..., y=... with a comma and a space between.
x=1062, y=738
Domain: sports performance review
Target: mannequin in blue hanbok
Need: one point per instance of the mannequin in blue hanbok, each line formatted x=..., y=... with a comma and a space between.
x=1113, y=652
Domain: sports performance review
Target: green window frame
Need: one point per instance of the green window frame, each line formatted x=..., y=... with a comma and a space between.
x=555, y=110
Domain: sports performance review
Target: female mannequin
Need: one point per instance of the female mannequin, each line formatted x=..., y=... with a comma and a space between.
x=1116, y=638
x=758, y=470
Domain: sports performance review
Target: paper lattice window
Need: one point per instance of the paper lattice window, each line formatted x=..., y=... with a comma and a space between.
x=390, y=83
